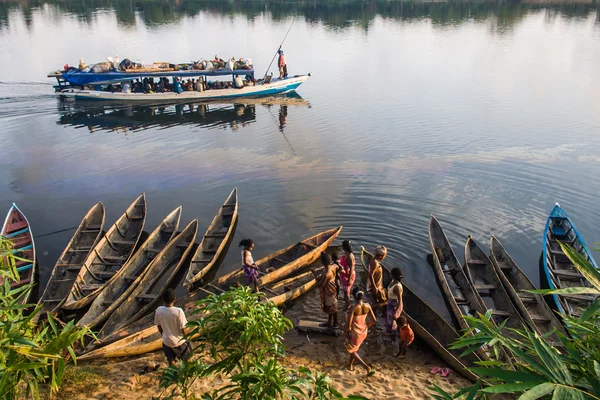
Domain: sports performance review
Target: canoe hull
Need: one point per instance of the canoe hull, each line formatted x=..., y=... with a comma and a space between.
x=484, y=278
x=61, y=280
x=225, y=218
x=557, y=271
x=16, y=228
x=474, y=303
x=516, y=283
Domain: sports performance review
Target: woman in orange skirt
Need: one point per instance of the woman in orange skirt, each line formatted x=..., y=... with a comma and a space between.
x=358, y=328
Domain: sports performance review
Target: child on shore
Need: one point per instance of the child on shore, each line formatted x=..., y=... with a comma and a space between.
x=406, y=336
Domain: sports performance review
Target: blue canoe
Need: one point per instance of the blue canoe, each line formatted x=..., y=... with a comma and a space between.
x=557, y=270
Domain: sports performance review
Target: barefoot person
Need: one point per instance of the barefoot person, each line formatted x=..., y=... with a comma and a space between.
x=348, y=274
x=394, y=303
x=375, y=281
x=328, y=290
x=338, y=271
x=171, y=323
x=357, y=329
x=406, y=336
x=248, y=265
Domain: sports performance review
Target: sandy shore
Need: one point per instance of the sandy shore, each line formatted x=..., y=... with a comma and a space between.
x=128, y=379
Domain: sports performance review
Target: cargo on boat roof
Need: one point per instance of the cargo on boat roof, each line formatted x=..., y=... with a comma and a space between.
x=113, y=72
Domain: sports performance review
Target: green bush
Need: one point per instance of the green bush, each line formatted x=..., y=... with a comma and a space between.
x=30, y=355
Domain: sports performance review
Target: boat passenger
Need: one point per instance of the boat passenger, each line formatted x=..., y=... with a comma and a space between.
x=406, y=335
x=375, y=282
x=160, y=86
x=248, y=265
x=394, y=303
x=126, y=87
x=282, y=65
x=137, y=86
x=177, y=86
x=171, y=322
x=348, y=275
x=358, y=328
x=328, y=291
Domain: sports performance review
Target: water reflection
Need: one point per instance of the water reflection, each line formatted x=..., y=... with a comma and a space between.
x=333, y=14
x=125, y=119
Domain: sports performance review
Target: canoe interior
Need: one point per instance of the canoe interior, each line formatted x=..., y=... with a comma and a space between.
x=215, y=240
x=516, y=284
x=113, y=294
x=488, y=285
x=559, y=271
x=67, y=266
x=16, y=229
x=109, y=255
x=459, y=295
x=428, y=324
x=146, y=296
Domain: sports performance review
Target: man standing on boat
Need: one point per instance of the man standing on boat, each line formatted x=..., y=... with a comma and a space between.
x=282, y=65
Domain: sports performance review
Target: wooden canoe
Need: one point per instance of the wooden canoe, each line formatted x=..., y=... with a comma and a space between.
x=142, y=336
x=214, y=242
x=126, y=279
x=486, y=282
x=459, y=295
x=558, y=272
x=84, y=239
x=109, y=255
x=516, y=283
x=146, y=296
x=17, y=230
x=428, y=325
x=291, y=288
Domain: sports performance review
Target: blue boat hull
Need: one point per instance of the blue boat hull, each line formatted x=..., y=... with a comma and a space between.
x=553, y=264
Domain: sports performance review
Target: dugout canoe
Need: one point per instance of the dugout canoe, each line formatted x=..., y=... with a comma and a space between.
x=486, y=282
x=118, y=288
x=516, y=284
x=17, y=230
x=84, y=239
x=557, y=270
x=142, y=336
x=428, y=325
x=214, y=242
x=459, y=295
x=159, y=275
x=109, y=255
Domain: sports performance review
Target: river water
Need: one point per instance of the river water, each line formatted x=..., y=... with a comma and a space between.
x=483, y=115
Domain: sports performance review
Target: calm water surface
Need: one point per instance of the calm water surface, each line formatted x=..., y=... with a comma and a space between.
x=480, y=114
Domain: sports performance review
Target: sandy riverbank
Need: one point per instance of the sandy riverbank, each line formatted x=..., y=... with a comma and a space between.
x=126, y=379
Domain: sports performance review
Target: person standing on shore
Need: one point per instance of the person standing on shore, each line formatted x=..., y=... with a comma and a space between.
x=328, y=290
x=171, y=322
x=375, y=281
x=358, y=328
x=394, y=303
x=406, y=336
x=348, y=274
x=249, y=267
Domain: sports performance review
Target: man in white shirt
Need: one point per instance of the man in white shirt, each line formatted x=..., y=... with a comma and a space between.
x=171, y=324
